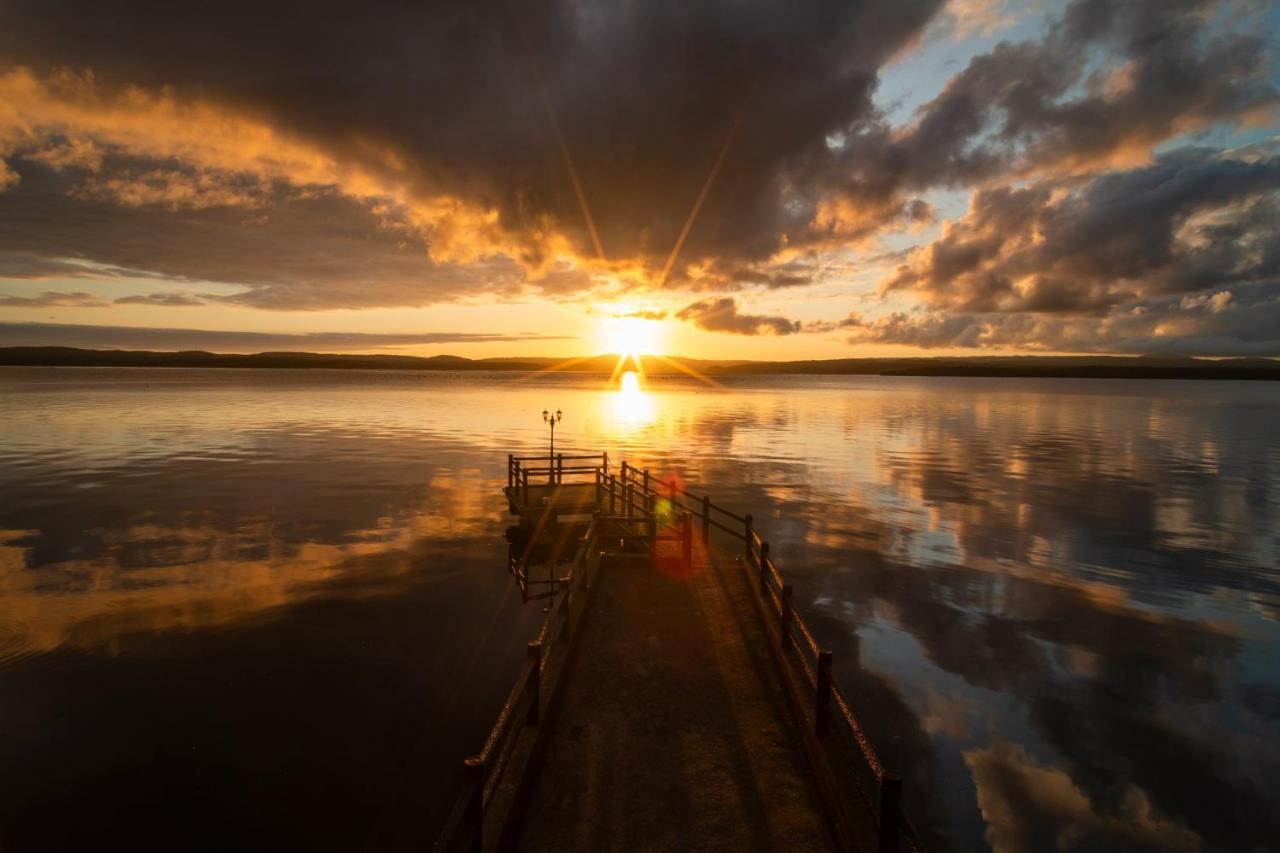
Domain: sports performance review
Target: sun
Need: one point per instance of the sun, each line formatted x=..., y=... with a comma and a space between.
x=631, y=335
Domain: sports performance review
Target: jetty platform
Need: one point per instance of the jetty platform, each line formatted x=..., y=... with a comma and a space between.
x=673, y=699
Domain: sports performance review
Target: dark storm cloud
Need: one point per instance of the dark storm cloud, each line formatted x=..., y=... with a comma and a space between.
x=444, y=96
x=128, y=337
x=721, y=315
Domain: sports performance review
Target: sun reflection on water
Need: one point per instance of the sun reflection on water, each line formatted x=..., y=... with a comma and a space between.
x=630, y=406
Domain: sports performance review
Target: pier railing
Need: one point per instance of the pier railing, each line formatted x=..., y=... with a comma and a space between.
x=631, y=503
x=487, y=774
x=835, y=741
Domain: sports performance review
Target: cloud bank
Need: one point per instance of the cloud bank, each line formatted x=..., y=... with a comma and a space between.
x=324, y=157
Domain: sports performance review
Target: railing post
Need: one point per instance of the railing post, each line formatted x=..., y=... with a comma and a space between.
x=822, y=696
x=559, y=467
x=652, y=526
x=604, y=461
x=890, y=814
x=764, y=569
x=473, y=769
x=613, y=495
x=627, y=490
x=686, y=535
x=535, y=686
x=787, y=615
x=747, y=529
x=511, y=470
x=525, y=472
x=599, y=496
x=706, y=519
x=566, y=587
x=646, y=481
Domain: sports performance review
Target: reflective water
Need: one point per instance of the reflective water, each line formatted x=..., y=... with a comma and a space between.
x=269, y=609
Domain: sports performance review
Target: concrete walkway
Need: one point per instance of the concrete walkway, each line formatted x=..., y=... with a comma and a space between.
x=671, y=733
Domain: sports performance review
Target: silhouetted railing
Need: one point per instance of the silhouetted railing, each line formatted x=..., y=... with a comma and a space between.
x=630, y=501
x=484, y=771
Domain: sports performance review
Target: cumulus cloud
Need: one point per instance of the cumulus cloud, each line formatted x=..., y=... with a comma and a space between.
x=721, y=315
x=1166, y=252
x=1107, y=83
x=1028, y=806
x=129, y=337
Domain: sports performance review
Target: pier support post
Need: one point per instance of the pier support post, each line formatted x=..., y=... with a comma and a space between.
x=890, y=814
x=706, y=519
x=473, y=770
x=748, y=531
x=784, y=638
x=822, y=696
x=613, y=495
x=511, y=470
x=535, y=682
x=686, y=542
x=764, y=571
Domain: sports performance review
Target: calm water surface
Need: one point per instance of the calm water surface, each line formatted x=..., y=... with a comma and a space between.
x=269, y=609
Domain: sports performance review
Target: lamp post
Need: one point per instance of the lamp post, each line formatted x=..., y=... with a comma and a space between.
x=551, y=419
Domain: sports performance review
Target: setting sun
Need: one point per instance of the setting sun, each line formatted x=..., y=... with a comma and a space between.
x=631, y=336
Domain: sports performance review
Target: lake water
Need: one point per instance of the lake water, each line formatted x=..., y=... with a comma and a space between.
x=261, y=609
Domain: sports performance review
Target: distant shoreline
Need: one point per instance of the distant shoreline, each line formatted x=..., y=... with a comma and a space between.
x=1076, y=367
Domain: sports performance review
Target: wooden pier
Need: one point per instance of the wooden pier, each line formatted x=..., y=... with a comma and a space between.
x=673, y=699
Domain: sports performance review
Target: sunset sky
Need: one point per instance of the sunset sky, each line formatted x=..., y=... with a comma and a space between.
x=768, y=180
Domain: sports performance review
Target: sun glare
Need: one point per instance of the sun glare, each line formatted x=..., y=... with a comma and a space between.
x=631, y=406
x=631, y=336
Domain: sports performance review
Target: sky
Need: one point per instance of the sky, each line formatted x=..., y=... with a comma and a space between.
x=721, y=179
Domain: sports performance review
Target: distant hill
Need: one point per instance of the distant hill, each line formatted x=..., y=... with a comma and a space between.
x=1116, y=367
x=1134, y=367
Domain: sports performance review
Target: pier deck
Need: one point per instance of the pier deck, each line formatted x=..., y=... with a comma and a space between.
x=673, y=699
x=667, y=737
